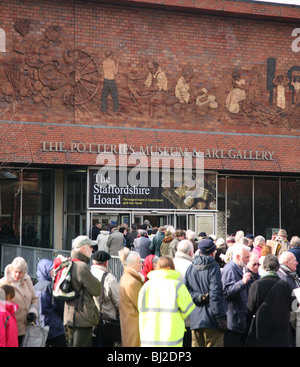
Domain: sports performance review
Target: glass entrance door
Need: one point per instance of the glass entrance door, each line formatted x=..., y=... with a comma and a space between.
x=205, y=223
x=156, y=220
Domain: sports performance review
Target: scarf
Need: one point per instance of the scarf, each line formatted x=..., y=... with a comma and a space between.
x=292, y=274
x=270, y=273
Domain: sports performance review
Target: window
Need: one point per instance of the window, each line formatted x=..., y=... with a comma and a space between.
x=74, y=206
x=30, y=222
x=221, y=200
x=290, y=206
x=266, y=205
x=37, y=208
x=239, y=204
x=258, y=205
x=10, y=196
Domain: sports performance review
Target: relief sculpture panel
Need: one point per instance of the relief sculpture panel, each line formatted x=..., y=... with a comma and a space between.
x=47, y=72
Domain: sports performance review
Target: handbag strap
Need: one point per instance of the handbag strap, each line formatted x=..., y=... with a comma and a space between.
x=267, y=294
x=101, y=297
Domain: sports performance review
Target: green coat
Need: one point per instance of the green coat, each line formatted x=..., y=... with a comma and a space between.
x=82, y=312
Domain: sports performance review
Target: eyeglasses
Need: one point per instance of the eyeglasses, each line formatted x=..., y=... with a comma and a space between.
x=256, y=264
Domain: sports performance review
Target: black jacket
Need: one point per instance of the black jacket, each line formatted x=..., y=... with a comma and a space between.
x=270, y=300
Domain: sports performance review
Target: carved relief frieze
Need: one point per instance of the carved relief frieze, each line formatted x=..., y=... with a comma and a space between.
x=47, y=71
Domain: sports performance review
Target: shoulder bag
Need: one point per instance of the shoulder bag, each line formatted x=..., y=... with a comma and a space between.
x=36, y=335
x=108, y=329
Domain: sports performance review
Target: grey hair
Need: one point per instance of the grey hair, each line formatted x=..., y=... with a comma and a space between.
x=243, y=241
x=295, y=241
x=271, y=263
x=190, y=235
x=128, y=257
x=258, y=240
x=19, y=263
x=185, y=246
x=237, y=249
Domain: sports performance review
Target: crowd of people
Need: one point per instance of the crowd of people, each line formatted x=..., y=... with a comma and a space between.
x=177, y=289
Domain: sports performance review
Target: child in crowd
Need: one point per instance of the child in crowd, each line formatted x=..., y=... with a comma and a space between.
x=8, y=323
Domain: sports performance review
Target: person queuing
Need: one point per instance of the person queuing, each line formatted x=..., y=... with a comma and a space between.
x=81, y=314
x=164, y=302
x=110, y=302
x=234, y=282
x=130, y=285
x=203, y=281
x=51, y=310
x=270, y=300
x=25, y=296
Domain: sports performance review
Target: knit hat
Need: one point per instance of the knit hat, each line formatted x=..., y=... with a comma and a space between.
x=207, y=246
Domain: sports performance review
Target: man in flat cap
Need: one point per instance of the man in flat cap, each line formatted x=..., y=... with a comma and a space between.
x=81, y=315
x=110, y=304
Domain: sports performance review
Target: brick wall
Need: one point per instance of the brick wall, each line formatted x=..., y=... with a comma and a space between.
x=43, y=80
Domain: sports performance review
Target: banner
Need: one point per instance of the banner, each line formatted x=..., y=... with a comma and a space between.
x=151, y=190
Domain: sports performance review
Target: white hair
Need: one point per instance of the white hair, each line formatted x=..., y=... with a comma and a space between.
x=185, y=246
x=190, y=235
x=20, y=264
x=237, y=249
x=128, y=257
x=239, y=235
x=285, y=257
x=295, y=241
x=258, y=240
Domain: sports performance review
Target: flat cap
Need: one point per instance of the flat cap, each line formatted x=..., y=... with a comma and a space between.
x=101, y=256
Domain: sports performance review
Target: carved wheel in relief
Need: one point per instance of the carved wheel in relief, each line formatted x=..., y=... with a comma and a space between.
x=84, y=77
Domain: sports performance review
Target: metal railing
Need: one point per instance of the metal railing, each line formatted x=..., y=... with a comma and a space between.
x=33, y=255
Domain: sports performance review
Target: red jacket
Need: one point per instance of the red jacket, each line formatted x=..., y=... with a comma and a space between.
x=8, y=325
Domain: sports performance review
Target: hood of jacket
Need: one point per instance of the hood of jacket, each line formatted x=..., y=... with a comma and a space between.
x=202, y=262
x=104, y=232
x=164, y=274
x=43, y=270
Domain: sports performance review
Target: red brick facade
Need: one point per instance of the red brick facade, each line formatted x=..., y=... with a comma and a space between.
x=242, y=99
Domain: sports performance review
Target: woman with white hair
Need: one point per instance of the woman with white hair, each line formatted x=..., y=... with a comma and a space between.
x=16, y=275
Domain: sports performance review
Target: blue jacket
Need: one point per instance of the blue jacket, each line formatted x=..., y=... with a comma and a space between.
x=51, y=311
x=235, y=293
x=204, y=276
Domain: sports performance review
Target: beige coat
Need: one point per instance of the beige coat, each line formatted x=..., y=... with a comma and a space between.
x=110, y=306
x=25, y=297
x=129, y=288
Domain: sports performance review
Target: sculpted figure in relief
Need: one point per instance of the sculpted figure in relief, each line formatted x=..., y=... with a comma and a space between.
x=237, y=95
x=281, y=82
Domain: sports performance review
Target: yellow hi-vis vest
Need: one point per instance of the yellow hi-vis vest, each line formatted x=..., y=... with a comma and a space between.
x=164, y=302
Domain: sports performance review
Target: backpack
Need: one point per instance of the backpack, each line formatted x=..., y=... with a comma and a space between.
x=62, y=288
